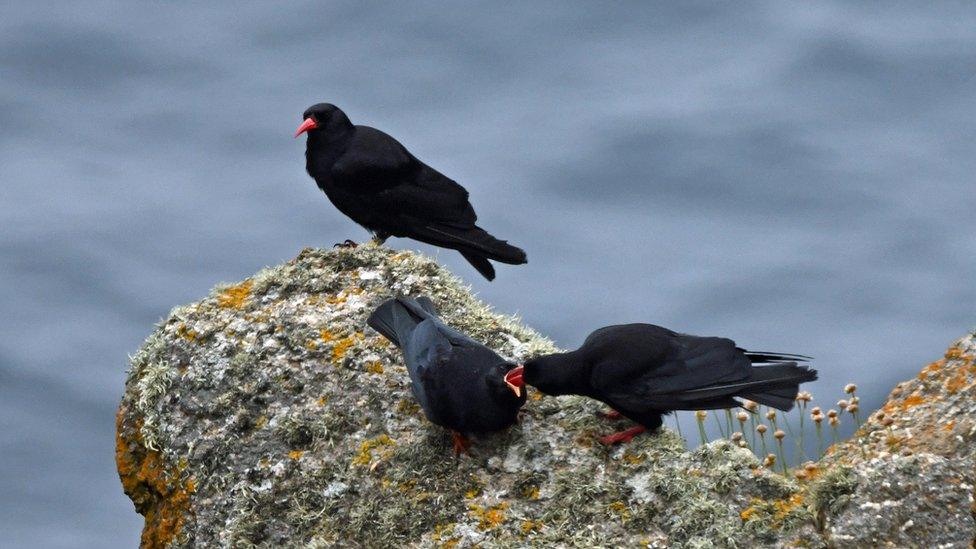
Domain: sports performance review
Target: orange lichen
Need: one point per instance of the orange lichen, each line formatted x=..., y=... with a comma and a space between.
x=748, y=512
x=953, y=353
x=326, y=336
x=186, y=333
x=783, y=507
x=156, y=488
x=911, y=401
x=931, y=369
x=489, y=518
x=235, y=297
x=339, y=348
x=322, y=400
x=535, y=395
x=532, y=492
x=957, y=381
x=296, y=454
x=949, y=426
x=375, y=367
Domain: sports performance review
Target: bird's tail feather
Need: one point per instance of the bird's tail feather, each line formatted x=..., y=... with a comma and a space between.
x=775, y=386
x=396, y=318
x=765, y=357
x=480, y=264
x=472, y=242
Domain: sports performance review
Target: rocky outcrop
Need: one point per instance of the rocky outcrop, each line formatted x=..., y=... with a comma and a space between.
x=268, y=414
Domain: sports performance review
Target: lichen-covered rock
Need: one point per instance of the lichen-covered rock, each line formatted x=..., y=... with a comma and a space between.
x=268, y=414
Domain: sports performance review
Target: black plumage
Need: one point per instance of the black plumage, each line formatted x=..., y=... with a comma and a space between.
x=645, y=371
x=460, y=384
x=373, y=179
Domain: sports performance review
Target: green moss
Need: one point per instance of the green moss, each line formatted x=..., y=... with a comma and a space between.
x=832, y=490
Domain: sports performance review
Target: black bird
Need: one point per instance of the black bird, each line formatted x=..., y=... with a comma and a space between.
x=644, y=371
x=460, y=384
x=373, y=179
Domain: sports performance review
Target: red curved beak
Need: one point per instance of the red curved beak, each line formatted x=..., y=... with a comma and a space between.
x=308, y=124
x=514, y=380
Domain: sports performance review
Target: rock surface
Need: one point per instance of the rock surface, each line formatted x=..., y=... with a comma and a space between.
x=269, y=415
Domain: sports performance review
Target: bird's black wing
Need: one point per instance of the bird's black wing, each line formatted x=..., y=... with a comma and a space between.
x=372, y=162
x=656, y=369
x=378, y=165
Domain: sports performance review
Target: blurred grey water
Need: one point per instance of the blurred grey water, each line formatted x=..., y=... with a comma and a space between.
x=796, y=176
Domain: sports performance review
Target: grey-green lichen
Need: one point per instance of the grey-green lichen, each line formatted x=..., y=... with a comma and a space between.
x=287, y=421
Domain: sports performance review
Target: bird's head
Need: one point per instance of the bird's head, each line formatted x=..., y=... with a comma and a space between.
x=505, y=381
x=323, y=118
x=556, y=374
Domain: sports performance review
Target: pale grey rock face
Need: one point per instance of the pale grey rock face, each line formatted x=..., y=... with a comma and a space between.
x=268, y=414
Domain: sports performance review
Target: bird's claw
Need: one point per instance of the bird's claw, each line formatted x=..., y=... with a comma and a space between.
x=461, y=444
x=345, y=244
x=611, y=415
x=623, y=436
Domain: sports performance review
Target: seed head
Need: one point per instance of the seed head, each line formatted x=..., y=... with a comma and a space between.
x=810, y=466
x=750, y=405
x=779, y=434
x=816, y=410
x=842, y=404
x=834, y=422
x=850, y=388
x=742, y=417
x=817, y=417
x=831, y=413
x=761, y=429
x=701, y=415
x=742, y=444
x=853, y=408
x=800, y=474
x=771, y=415
x=769, y=461
x=855, y=400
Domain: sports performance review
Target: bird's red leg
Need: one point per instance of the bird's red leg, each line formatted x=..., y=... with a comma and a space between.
x=623, y=436
x=461, y=444
x=612, y=414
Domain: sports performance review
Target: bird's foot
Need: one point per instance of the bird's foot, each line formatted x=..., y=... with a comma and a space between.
x=612, y=415
x=345, y=244
x=461, y=444
x=623, y=436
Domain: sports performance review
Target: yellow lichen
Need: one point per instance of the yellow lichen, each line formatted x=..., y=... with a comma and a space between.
x=620, y=509
x=634, y=459
x=375, y=367
x=260, y=422
x=296, y=454
x=236, y=296
x=382, y=443
x=529, y=526
x=326, y=336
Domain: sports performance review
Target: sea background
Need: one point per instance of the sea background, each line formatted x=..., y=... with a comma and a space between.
x=797, y=176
